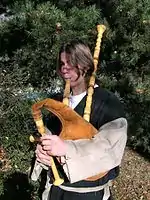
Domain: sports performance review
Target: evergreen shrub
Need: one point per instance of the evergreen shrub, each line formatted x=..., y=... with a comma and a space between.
x=28, y=57
x=30, y=43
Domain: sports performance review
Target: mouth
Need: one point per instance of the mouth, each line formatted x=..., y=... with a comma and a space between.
x=66, y=76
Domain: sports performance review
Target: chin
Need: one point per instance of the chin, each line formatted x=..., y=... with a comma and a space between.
x=72, y=85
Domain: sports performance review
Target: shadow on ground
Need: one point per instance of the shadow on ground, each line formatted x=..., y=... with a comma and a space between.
x=17, y=186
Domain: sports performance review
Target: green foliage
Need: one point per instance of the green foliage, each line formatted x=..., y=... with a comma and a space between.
x=138, y=117
x=137, y=106
x=33, y=57
x=128, y=43
x=30, y=42
x=16, y=127
x=134, y=93
x=127, y=61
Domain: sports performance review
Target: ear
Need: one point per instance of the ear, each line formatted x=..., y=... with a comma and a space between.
x=83, y=71
x=84, y=74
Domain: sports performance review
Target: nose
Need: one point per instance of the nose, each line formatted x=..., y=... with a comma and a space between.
x=65, y=68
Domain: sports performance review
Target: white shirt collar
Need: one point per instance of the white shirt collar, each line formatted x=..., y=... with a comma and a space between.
x=74, y=100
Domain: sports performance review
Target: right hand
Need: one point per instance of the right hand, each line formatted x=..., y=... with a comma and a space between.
x=42, y=155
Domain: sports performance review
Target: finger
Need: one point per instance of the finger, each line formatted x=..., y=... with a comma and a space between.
x=42, y=156
x=46, y=137
x=47, y=148
x=49, y=137
x=46, y=142
x=44, y=161
x=40, y=151
x=50, y=153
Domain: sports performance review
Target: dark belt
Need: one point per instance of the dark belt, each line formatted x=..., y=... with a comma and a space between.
x=112, y=174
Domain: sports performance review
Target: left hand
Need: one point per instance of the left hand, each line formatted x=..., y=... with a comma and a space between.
x=54, y=145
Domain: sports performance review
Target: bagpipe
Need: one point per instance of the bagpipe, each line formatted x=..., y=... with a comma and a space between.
x=74, y=126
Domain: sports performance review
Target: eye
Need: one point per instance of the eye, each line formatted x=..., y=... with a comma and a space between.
x=68, y=62
x=62, y=63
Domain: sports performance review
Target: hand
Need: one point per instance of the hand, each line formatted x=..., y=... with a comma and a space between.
x=42, y=155
x=53, y=145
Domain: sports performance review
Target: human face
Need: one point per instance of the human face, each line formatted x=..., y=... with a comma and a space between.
x=67, y=71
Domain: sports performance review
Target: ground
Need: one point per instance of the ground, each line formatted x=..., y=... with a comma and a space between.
x=134, y=180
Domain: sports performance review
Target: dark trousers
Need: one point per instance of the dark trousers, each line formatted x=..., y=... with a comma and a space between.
x=57, y=193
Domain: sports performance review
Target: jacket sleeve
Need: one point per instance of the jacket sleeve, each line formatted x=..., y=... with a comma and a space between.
x=38, y=167
x=88, y=157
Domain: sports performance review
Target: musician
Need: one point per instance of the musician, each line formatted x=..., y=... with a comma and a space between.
x=84, y=158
